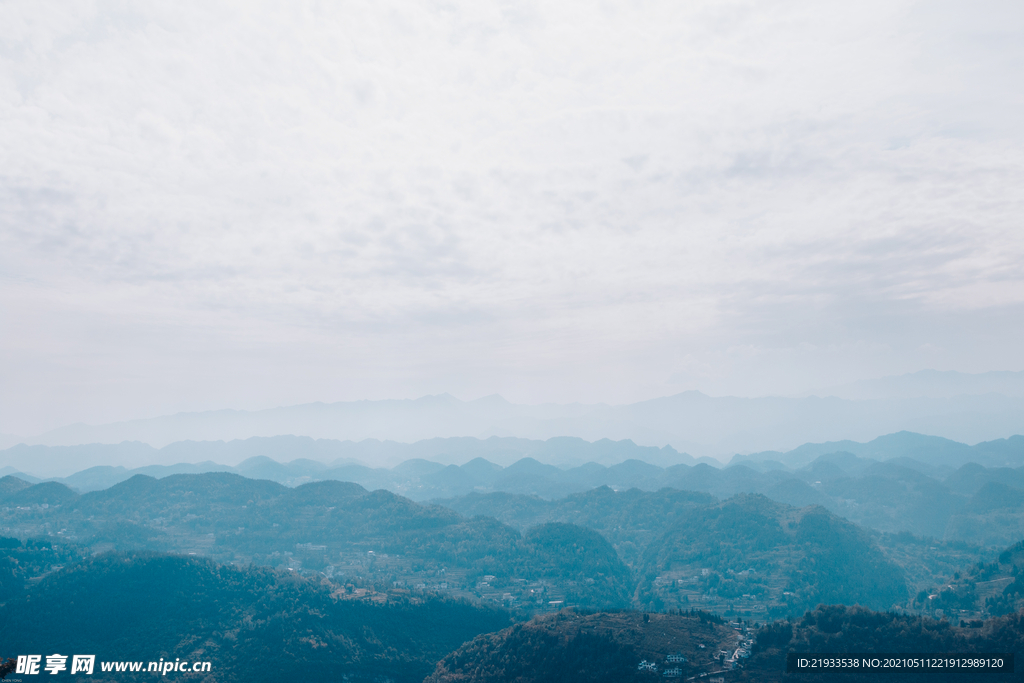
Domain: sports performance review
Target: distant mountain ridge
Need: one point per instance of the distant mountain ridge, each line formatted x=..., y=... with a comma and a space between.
x=211, y=456
x=317, y=455
x=930, y=450
x=691, y=421
x=900, y=482
x=931, y=384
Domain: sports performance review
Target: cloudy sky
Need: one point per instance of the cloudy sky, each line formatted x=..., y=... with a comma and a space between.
x=212, y=204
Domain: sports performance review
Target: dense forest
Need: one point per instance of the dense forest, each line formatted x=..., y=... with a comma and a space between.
x=750, y=548
x=973, y=503
x=841, y=629
x=253, y=624
x=745, y=556
x=258, y=623
x=372, y=536
x=328, y=579
x=574, y=646
x=635, y=646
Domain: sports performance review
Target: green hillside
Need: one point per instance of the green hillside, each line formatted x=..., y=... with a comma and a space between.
x=765, y=558
x=252, y=625
x=601, y=647
x=632, y=646
x=839, y=629
x=628, y=519
x=373, y=540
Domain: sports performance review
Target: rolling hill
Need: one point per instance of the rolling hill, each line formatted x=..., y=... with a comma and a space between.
x=334, y=527
x=251, y=624
x=749, y=550
x=573, y=646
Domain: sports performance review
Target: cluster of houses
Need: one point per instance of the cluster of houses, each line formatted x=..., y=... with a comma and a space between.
x=537, y=596
x=746, y=645
x=726, y=660
x=672, y=667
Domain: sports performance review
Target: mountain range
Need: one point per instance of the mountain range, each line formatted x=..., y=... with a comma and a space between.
x=929, y=383
x=377, y=538
x=443, y=467
x=901, y=482
x=967, y=408
x=312, y=457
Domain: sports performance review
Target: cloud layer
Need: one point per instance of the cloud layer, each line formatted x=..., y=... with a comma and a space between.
x=246, y=205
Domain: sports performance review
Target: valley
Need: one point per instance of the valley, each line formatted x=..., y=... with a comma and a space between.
x=614, y=578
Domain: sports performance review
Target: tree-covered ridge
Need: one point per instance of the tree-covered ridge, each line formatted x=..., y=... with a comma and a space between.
x=376, y=538
x=575, y=646
x=629, y=519
x=253, y=624
x=10, y=484
x=916, y=488
x=897, y=483
x=632, y=520
x=633, y=646
x=35, y=558
x=980, y=589
x=842, y=629
x=973, y=503
x=752, y=549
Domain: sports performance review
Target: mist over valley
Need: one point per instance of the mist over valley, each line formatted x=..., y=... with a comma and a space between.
x=481, y=341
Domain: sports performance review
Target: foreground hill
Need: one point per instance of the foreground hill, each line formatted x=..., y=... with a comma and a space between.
x=570, y=646
x=252, y=625
x=21, y=563
x=838, y=629
x=631, y=646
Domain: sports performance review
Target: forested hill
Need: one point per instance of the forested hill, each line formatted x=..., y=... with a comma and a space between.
x=750, y=549
x=253, y=625
x=438, y=468
x=644, y=648
x=334, y=527
x=839, y=629
x=599, y=648
x=901, y=482
x=746, y=556
x=747, y=553
x=977, y=504
x=257, y=624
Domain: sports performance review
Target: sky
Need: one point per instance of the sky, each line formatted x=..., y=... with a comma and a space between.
x=246, y=204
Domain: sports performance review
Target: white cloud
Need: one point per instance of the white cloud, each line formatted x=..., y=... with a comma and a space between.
x=235, y=204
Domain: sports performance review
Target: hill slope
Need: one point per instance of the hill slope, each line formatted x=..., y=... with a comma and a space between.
x=751, y=550
x=570, y=646
x=375, y=540
x=252, y=625
x=838, y=629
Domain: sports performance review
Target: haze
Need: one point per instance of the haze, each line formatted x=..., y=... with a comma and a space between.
x=214, y=206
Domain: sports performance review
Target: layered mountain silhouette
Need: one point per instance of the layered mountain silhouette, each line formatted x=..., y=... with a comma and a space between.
x=987, y=408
